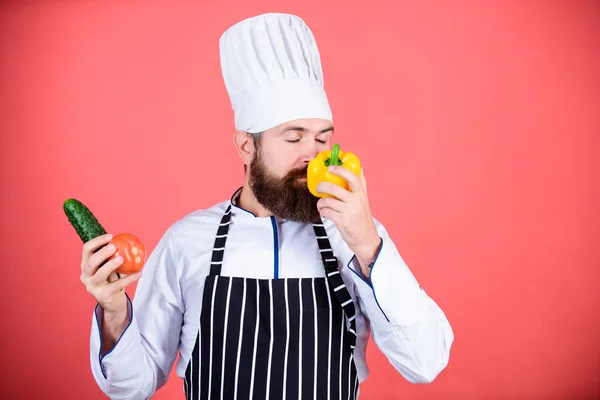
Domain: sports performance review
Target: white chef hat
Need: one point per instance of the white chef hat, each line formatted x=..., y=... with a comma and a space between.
x=272, y=72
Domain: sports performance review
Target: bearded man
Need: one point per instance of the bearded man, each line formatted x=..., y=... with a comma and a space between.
x=275, y=292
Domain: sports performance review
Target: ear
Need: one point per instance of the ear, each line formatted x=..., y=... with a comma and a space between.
x=244, y=145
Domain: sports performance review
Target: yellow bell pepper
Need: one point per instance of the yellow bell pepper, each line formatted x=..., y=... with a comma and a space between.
x=318, y=172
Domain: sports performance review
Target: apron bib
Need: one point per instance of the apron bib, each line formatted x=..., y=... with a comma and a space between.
x=274, y=338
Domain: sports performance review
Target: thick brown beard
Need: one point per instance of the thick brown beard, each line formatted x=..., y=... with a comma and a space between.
x=286, y=197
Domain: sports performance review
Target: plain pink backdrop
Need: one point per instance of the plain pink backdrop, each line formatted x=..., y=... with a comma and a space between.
x=478, y=124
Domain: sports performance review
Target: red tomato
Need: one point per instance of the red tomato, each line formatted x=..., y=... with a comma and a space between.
x=132, y=250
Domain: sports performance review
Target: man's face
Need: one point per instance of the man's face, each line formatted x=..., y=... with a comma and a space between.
x=278, y=169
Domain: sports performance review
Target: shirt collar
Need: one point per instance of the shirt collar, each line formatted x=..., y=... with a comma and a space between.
x=236, y=210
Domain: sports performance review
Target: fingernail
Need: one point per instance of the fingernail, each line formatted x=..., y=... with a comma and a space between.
x=119, y=260
x=109, y=236
x=111, y=247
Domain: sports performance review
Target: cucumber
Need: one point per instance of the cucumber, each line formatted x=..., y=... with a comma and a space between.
x=85, y=223
x=81, y=218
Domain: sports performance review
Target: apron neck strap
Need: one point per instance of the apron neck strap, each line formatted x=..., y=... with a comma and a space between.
x=219, y=247
x=330, y=261
x=335, y=280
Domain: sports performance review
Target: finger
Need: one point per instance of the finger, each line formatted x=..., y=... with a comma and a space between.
x=93, y=245
x=113, y=277
x=334, y=190
x=348, y=175
x=329, y=213
x=98, y=259
x=363, y=179
x=333, y=204
x=101, y=276
x=122, y=283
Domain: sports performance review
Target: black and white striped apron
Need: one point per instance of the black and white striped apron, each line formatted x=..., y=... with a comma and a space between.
x=274, y=338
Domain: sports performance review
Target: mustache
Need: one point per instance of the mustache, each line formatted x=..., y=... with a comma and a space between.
x=297, y=173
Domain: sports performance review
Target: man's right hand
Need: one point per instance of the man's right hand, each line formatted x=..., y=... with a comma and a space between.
x=102, y=282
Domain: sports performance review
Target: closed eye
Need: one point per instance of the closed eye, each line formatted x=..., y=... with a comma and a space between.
x=297, y=140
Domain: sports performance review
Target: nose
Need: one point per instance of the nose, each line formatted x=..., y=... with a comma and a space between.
x=309, y=151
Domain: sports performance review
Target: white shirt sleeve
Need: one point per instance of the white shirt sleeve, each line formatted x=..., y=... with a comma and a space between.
x=406, y=324
x=141, y=360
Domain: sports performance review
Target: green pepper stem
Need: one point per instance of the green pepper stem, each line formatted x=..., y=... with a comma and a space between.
x=335, y=154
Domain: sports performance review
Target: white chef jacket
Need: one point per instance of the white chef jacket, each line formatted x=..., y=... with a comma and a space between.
x=406, y=324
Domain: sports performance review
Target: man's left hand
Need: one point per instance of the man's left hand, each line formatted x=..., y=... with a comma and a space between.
x=350, y=212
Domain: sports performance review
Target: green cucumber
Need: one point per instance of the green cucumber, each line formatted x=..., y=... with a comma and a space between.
x=81, y=218
x=85, y=223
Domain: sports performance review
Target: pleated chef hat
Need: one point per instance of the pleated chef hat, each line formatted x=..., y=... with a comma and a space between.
x=272, y=72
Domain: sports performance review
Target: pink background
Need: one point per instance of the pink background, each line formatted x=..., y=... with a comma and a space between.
x=478, y=123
